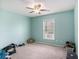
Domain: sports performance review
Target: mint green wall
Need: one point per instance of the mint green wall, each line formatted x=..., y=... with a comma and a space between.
x=14, y=28
x=64, y=27
x=76, y=26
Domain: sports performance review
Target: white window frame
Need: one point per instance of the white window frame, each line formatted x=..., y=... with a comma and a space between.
x=50, y=32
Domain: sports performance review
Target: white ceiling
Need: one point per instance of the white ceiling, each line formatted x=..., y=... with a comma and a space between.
x=18, y=6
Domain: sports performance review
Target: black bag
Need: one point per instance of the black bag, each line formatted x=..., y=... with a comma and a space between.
x=71, y=55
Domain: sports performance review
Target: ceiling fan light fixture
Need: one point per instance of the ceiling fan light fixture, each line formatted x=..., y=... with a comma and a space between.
x=37, y=8
x=36, y=11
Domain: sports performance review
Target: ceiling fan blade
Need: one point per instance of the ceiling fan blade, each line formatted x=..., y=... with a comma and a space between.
x=29, y=8
x=31, y=12
x=44, y=10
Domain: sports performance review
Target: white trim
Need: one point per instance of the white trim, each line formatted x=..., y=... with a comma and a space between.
x=50, y=44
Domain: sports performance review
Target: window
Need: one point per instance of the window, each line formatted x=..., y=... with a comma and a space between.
x=49, y=29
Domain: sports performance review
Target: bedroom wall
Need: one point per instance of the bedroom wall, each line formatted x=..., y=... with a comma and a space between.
x=76, y=25
x=14, y=28
x=64, y=27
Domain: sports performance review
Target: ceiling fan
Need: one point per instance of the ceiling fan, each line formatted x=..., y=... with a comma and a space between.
x=37, y=8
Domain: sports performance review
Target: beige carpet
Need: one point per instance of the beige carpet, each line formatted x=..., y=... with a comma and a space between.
x=39, y=51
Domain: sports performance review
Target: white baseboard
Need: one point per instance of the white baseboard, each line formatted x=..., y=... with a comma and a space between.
x=50, y=44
